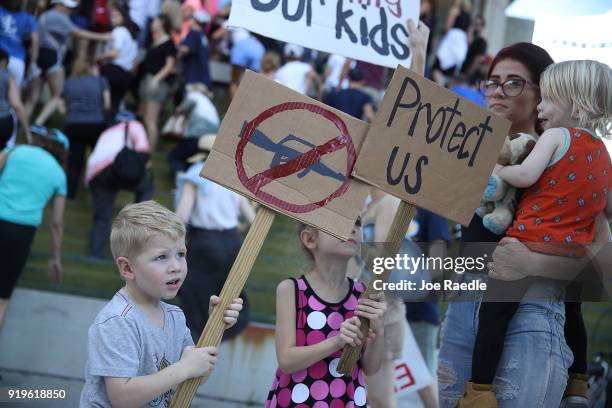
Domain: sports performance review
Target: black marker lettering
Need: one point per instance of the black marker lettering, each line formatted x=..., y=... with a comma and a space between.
x=390, y=179
x=341, y=23
x=400, y=95
x=404, y=51
x=462, y=154
x=299, y=12
x=456, y=134
x=383, y=47
x=260, y=6
x=485, y=127
x=433, y=120
x=363, y=25
x=423, y=160
x=452, y=111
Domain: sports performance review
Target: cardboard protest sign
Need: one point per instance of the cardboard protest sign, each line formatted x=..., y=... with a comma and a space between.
x=431, y=148
x=290, y=153
x=368, y=30
x=410, y=372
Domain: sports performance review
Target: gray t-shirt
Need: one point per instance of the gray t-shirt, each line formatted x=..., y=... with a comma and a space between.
x=84, y=100
x=122, y=342
x=54, y=29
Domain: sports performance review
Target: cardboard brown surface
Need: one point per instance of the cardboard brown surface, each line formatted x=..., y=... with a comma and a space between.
x=439, y=159
x=290, y=153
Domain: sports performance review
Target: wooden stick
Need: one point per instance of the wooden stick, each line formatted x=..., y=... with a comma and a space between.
x=213, y=331
x=396, y=235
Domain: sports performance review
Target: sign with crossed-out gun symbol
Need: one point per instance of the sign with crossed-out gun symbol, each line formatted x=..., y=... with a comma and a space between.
x=283, y=153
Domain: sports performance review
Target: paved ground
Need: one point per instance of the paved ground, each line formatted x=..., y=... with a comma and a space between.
x=43, y=346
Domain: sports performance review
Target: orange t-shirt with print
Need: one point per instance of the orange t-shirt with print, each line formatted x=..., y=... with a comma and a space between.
x=557, y=214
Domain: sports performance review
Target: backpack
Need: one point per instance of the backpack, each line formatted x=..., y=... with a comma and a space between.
x=129, y=166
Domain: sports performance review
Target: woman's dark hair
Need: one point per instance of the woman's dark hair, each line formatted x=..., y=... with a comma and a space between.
x=11, y=5
x=127, y=20
x=434, y=8
x=534, y=58
x=463, y=20
x=54, y=147
x=166, y=23
x=4, y=57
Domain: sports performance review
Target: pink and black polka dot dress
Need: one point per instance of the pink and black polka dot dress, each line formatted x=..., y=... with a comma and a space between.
x=320, y=385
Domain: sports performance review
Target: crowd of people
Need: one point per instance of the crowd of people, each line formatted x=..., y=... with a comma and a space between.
x=113, y=69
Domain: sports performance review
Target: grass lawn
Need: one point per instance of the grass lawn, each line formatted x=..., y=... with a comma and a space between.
x=279, y=258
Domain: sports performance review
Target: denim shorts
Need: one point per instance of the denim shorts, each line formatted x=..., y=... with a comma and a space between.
x=533, y=368
x=158, y=95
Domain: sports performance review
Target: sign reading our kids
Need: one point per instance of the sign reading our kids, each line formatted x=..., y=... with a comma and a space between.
x=290, y=153
x=431, y=148
x=368, y=30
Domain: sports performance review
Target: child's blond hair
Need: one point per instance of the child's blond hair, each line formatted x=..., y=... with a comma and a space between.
x=137, y=223
x=270, y=62
x=587, y=86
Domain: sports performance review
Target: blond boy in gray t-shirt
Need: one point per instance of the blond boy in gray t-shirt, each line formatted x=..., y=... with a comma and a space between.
x=139, y=348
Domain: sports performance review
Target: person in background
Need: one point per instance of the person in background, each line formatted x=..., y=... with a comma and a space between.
x=120, y=54
x=467, y=87
x=193, y=51
x=353, y=100
x=211, y=213
x=141, y=13
x=431, y=231
x=270, y=63
x=16, y=28
x=104, y=184
x=453, y=47
x=172, y=9
x=429, y=16
x=246, y=53
x=477, y=51
x=10, y=105
x=458, y=13
x=55, y=29
x=377, y=219
x=30, y=176
x=374, y=77
x=190, y=7
x=336, y=72
x=87, y=99
x=295, y=74
x=155, y=69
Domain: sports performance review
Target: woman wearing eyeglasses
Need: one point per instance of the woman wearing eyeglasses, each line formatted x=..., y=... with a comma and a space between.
x=533, y=369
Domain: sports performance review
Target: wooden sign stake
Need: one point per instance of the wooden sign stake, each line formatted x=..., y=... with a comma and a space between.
x=213, y=331
x=396, y=235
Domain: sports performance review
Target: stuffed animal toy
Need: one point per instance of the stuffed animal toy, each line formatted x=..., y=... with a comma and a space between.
x=499, y=198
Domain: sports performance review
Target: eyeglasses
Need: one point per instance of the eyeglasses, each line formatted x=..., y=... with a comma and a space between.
x=510, y=87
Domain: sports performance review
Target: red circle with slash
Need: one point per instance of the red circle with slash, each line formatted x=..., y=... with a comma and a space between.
x=257, y=182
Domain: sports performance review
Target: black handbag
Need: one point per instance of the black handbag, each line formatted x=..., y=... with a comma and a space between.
x=129, y=167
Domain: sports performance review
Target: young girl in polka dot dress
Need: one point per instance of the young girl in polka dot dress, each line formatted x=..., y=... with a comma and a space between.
x=316, y=316
x=568, y=183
